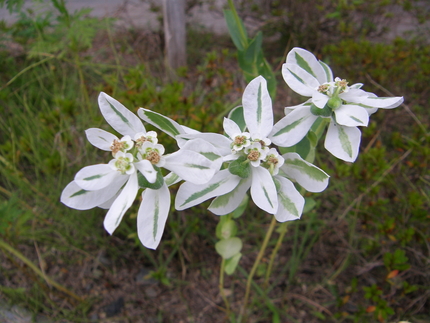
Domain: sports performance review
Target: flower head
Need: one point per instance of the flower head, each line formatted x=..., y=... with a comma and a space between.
x=344, y=106
x=256, y=167
x=136, y=166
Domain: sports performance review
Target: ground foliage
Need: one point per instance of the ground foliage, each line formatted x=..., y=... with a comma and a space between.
x=361, y=255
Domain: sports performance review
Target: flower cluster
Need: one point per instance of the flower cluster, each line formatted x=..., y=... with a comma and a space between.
x=344, y=107
x=224, y=167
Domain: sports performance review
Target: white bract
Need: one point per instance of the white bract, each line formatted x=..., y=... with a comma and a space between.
x=346, y=107
x=136, y=164
x=253, y=165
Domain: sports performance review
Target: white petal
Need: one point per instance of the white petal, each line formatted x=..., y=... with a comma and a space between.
x=382, y=102
x=121, y=204
x=310, y=177
x=101, y=139
x=307, y=61
x=220, y=142
x=354, y=95
x=229, y=202
x=119, y=117
x=263, y=190
x=319, y=99
x=147, y=170
x=231, y=128
x=96, y=177
x=189, y=130
x=299, y=80
x=292, y=128
x=165, y=124
x=343, y=142
x=257, y=107
x=76, y=198
x=291, y=203
x=191, y=166
x=205, y=149
x=152, y=216
x=352, y=116
x=191, y=194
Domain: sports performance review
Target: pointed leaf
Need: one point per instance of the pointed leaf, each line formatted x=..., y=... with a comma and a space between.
x=343, y=142
x=152, y=216
x=101, y=139
x=165, y=124
x=191, y=194
x=220, y=142
x=308, y=62
x=121, y=204
x=96, y=177
x=257, y=107
x=352, y=116
x=236, y=114
x=299, y=80
x=291, y=203
x=263, y=190
x=191, y=166
x=310, y=177
x=119, y=117
x=230, y=202
x=292, y=128
x=231, y=263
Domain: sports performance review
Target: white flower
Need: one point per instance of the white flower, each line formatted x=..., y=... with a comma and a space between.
x=346, y=107
x=257, y=167
x=135, y=166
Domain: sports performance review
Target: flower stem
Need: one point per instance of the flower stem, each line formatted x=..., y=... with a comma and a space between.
x=221, y=287
x=283, y=228
x=254, y=267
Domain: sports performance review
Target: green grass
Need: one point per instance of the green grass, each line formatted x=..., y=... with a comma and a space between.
x=360, y=255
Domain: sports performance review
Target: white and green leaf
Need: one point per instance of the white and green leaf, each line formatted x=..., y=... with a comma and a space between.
x=352, y=115
x=310, y=177
x=229, y=202
x=191, y=166
x=308, y=62
x=228, y=248
x=343, y=142
x=293, y=127
x=220, y=142
x=190, y=194
x=100, y=138
x=257, y=107
x=263, y=190
x=121, y=204
x=152, y=216
x=299, y=80
x=165, y=124
x=119, y=117
x=96, y=177
x=290, y=202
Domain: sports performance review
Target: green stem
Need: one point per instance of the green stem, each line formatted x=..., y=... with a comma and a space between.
x=254, y=267
x=221, y=287
x=33, y=267
x=283, y=229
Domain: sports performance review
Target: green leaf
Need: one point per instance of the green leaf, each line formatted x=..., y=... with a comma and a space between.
x=236, y=29
x=241, y=208
x=229, y=247
x=143, y=182
x=231, y=263
x=236, y=114
x=309, y=204
x=324, y=112
x=226, y=228
x=240, y=167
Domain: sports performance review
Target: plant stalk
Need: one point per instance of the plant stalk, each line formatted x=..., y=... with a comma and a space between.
x=254, y=267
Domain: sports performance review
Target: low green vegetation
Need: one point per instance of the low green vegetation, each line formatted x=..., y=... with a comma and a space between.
x=360, y=255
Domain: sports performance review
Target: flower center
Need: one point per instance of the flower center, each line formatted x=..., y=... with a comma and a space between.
x=153, y=156
x=123, y=164
x=253, y=155
x=140, y=141
x=117, y=146
x=239, y=140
